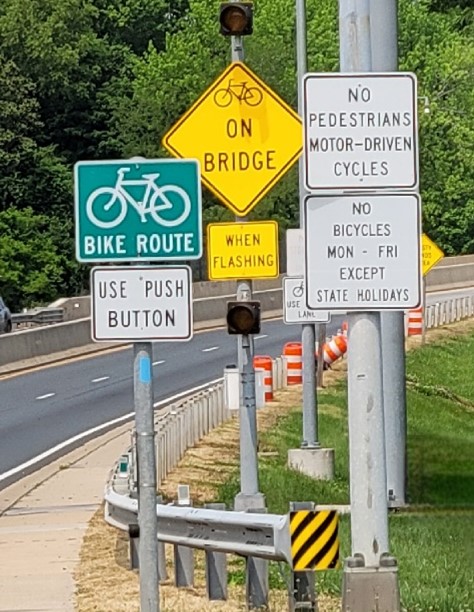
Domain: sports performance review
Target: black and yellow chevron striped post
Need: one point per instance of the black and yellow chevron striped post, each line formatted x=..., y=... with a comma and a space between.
x=302, y=595
x=314, y=539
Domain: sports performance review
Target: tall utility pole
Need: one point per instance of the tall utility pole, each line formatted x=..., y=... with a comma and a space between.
x=384, y=43
x=147, y=520
x=310, y=399
x=310, y=459
x=370, y=574
x=249, y=496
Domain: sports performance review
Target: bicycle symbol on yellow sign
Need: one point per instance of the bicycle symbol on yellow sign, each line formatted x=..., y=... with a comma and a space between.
x=252, y=96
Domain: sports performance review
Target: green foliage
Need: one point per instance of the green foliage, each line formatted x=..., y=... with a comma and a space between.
x=30, y=266
x=105, y=79
x=443, y=59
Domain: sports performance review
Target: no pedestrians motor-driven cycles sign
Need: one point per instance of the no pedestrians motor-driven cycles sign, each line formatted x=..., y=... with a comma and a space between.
x=244, y=135
x=129, y=210
x=360, y=131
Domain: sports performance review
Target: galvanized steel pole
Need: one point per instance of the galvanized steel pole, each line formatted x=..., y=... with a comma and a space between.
x=310, y=458
x=369, y=518
x=368, y=485
x=147, y=521
x=384, y=45
x=370, y=574
x=310, y=400
x=249, y=496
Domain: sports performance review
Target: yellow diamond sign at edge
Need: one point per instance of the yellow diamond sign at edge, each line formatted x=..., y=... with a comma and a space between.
x=243, y=134
x=430, y=253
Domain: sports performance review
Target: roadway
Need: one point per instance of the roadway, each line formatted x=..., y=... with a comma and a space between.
x=60, y=405
x=43, y=408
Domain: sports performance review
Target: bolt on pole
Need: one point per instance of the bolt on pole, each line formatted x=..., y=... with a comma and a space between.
x=145, y=435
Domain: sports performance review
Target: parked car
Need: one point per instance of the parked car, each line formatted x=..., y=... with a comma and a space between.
x=5, y=318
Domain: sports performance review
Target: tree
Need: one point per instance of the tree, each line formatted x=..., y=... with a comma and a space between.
x=442, y=56
x=30, y=267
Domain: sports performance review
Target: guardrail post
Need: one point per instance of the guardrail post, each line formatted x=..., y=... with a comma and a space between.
x=183, y=555
x=134, y=541
x=162, y=572
x=256, y=577
x=302, y=595
x=216, y=568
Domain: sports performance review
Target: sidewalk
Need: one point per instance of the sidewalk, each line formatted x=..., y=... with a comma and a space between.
x=43, y=519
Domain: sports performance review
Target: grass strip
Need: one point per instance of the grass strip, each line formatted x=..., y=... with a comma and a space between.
x=434, y=540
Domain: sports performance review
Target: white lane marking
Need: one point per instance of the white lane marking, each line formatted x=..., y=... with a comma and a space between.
x=211, y=348
x=260, y=337
x=100, y=379
x=45, y=396
x=94, y=430
x=158, y=362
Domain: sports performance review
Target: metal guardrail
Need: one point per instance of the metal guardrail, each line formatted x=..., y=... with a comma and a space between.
x=178, y=428
x=39, y=316
x=449, y=311
x=266, y=536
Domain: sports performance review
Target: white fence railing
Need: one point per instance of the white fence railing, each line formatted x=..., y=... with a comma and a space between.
x=449, y=311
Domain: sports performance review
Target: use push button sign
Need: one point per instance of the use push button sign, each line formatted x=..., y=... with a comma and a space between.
x=244, y=135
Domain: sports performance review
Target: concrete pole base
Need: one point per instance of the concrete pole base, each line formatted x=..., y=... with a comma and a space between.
x=318, y=463
x=244, y=502
x=370, y=589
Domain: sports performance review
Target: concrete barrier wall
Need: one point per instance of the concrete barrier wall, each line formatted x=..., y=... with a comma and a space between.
x=80, y=307
x=450, y=276
x=47, y=340
x=64, y=336
x=43, y=341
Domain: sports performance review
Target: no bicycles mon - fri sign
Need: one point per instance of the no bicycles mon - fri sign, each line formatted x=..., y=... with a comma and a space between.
x=129, y=210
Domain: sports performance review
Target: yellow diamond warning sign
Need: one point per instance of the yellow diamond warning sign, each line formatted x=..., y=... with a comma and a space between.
x=430, y=255
x=242, y=250
x=244, y=135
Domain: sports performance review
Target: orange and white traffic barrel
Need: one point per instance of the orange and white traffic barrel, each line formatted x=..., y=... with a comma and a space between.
x=334, y=349
x=415, y=321
x=293, y=353
x=265, y=363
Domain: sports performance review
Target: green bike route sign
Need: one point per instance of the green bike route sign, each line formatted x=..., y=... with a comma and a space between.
x=138, y=210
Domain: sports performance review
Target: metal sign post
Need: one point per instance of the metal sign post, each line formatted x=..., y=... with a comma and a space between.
x=310, y=459
x=145, y=436
x=140, y=304
x=370, y=574
x=384, y=54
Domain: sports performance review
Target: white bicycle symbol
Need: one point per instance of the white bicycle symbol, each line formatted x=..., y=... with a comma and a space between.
x=155, y=200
